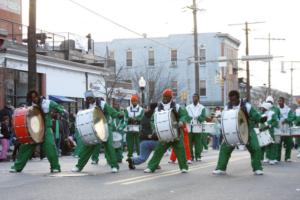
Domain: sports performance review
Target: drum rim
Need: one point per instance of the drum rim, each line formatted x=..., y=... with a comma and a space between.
x=239, y=135
x=42, y=129
x=223, y=131
x=105, y=125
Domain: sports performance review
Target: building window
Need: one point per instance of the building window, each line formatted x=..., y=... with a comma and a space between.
x=202, y=87
x=111, y=59
x=129, y=58
x=174, y=88
x=151, y=57
x=111, y=55
x=174, y=57
x=202, y=55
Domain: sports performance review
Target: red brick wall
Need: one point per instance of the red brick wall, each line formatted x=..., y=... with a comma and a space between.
x=13, y=26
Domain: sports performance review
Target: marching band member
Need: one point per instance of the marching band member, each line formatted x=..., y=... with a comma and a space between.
x=253, y=146
x=133, y=116
x=275, y=109
x=87, y=150
x=49, y=147
x=148, y=139
x=167, y=104
x=286, y=118
x=297, y=123
x=118, y=125
x=196, y=114
x=271, y=123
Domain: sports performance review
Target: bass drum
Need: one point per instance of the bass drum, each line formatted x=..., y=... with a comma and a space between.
x=92, y=126
x=166, y=126
x=28, y=125
x=234, y=127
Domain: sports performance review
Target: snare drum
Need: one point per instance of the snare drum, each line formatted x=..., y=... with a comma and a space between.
x=283, y=130
x=133, y=128
x=194, y=128
x=295, y=131
x=29, y=125
x=166, y=126
x=92, y=126
x=209, y=128
x=117, y=140
x=234, y=127
x=264, y=138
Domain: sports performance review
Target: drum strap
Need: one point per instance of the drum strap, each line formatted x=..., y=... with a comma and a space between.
x=242, y=107
x=172, y=106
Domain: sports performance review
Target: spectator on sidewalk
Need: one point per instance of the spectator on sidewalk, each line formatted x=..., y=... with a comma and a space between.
x=4, y=137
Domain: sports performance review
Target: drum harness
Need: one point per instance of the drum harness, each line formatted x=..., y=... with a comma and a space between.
x=134, y=122
x=172, y=106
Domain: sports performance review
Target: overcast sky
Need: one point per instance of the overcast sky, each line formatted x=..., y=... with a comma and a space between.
x=159, y=18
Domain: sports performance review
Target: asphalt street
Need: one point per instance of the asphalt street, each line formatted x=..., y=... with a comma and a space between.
x=279, y=182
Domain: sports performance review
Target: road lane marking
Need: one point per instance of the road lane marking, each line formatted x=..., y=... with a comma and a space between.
x=139, y=179
x=178, y=172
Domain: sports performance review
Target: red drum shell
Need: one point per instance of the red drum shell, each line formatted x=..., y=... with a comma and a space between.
x=23, y=125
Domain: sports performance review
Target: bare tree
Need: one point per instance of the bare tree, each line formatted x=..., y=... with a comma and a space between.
x=156, y=80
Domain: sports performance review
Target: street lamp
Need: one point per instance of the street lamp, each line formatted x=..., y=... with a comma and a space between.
x=142, y=85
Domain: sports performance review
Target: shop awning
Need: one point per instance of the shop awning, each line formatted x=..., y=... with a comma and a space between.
x=60, y=99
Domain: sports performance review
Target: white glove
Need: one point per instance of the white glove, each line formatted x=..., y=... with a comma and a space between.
x=180, y=124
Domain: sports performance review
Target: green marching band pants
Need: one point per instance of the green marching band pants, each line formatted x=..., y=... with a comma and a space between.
x=49, y=147
x=288, y=145
x=160, y=150
x=87, y=151
x=133, y=143
x=253, y=148
x=195, y=140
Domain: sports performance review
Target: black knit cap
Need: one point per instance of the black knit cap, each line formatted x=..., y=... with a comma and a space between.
x=196, y=94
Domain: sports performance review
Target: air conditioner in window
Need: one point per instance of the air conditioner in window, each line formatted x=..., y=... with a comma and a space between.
x=173, y=63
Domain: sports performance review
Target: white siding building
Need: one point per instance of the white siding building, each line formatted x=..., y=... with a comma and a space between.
x=164, y=63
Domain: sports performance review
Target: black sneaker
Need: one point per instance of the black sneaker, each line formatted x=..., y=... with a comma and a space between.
x=130, y=163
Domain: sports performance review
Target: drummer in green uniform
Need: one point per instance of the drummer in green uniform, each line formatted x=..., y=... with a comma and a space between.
x=87, y=150
x=253, y=147
x=49, y=147
x=181, y=114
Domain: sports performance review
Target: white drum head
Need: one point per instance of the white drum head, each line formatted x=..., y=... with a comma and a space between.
x=100, y=125
x=35, y=124
x=243, y=127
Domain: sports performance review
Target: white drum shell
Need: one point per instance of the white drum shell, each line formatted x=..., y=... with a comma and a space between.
x=86, y=128
x=230, y=127
x=264, y=138
x=164, y=126
x=295, y=131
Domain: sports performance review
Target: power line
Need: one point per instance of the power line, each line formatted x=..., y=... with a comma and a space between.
x=117, y=24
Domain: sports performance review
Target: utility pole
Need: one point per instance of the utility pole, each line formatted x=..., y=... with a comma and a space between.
x=32, y=46
x=292, y=70
x=197, y=75
x=247, y=54
x=269, y=62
